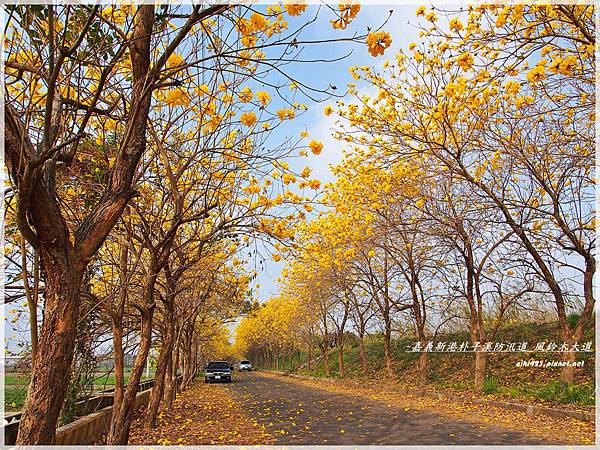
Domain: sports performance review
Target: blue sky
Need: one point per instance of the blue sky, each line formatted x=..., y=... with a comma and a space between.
x=314, y=121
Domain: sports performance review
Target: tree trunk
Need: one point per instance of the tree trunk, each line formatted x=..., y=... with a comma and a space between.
x=480, y=365
x=168, y=392
x=309, y=358
x=326, y=359
x=196, y=356
x=161, y=371
x=387, y=348
x=52, y=367
x=340, y=352
x=171, y=385
x=423, y=375
x=567, y=373
x=174, y=374
x=184, y=367
x=31, y=293
x=121, y=423
x=117, y=328
x=188, y=372
x=363, y=356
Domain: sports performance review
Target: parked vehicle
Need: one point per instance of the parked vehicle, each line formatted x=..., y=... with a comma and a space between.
x=218, y=371
x=245, y=365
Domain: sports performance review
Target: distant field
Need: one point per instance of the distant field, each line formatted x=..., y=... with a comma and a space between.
x=14, y=398
x=16, y=379
x=15, y=386
x=22, y=379
x=109, y=380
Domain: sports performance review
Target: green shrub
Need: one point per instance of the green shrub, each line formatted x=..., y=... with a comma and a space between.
x=514, y=392
x=583, y=394
x=490, y=385
x=573, y=318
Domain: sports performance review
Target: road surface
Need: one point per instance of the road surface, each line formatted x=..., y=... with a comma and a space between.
x=297, y=414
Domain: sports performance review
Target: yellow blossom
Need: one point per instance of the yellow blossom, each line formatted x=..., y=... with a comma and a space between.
x=465, y=61
x=263, y=97
x=284, y=114
x=314, y=184
x=378, y=42
x=248, y=119
x=315, y=147
x=246, y=95
x=294, y=8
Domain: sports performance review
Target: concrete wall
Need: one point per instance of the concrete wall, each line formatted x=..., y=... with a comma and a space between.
x=91, y=427
x=88, y=428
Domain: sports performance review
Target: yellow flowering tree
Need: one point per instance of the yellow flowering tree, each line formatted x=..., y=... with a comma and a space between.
x=520, y=137
x=89, y=81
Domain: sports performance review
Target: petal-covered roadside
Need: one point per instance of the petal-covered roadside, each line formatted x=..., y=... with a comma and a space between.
x=559, y=430
x=203, y=415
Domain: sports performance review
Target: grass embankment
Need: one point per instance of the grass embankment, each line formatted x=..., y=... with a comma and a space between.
x=455, y=371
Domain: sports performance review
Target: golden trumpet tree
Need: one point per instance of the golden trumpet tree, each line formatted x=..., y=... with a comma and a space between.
x=502, y=99
x=269, y=330
x=85, y=83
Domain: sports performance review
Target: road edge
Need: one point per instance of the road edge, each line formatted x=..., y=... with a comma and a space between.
x=529, y=409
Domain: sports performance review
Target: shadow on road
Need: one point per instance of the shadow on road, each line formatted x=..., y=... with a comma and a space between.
x=302, y=415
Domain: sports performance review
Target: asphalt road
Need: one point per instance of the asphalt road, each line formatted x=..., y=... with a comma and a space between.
x=296, y=414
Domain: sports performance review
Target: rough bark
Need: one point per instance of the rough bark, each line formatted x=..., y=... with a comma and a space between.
x=363, y=355
x=387, y=347
x=51, y=369
x=121, y=423
x=340, y=352
x=161, y=368
x=480, y=370
x=423, y=371
x=31, y=293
